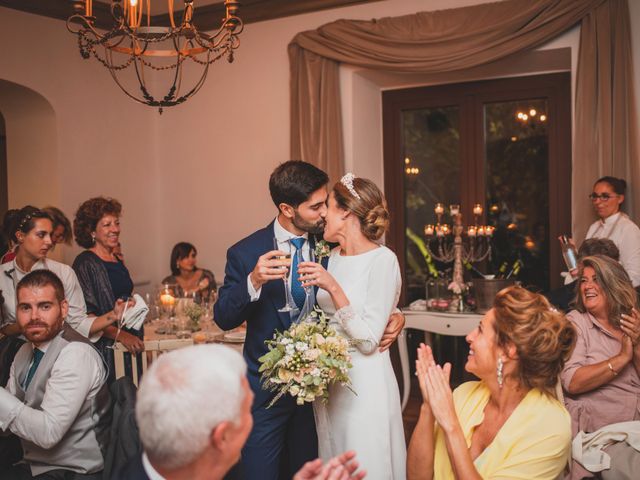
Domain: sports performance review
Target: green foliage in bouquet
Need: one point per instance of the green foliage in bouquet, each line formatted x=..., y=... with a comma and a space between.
x=306, y=359
x=194, y=312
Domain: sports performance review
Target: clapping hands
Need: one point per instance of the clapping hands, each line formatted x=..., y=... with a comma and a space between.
x=437, y=396
x=342, y=467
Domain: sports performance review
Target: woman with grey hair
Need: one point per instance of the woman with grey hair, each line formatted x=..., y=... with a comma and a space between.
x=601, y=378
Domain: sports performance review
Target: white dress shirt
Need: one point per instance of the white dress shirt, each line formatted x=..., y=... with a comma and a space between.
x=11, y=274
x=78, y=374
x=283, y=236
x=151, y=472
x=626, y=235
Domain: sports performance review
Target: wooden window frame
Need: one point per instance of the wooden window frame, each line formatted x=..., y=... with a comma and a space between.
x=470, y=97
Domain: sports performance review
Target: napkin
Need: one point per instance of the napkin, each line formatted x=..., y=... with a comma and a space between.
x=134, y=316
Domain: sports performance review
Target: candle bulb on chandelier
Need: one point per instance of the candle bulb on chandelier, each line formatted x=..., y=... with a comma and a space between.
x=477, y=209
x=481, y=231
x=445, y=229
x=471, y=231
x=439, y=210
x=454, y=209
x=428, y=230
x=489, y=230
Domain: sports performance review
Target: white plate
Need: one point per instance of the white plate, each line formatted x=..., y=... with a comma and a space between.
x=234, y=337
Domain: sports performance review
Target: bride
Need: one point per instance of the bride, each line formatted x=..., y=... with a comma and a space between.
x=359, y=290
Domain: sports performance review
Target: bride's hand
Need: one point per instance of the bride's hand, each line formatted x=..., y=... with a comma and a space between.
x=314, y=275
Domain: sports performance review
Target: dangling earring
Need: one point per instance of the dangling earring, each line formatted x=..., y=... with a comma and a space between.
x=93, y=238
x=499, y=372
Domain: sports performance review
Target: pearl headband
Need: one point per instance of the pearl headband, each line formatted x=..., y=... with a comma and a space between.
x=347, y=181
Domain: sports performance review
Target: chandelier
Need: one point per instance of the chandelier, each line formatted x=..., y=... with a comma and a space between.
x=133, y=48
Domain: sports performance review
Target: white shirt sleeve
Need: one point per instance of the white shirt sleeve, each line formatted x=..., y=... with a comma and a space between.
x=254, y=294
x=367, y=326
x=629, y=246
x=77, y=316
x=77, y=375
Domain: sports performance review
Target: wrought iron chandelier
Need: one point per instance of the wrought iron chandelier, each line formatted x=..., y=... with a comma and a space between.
x=134, y=45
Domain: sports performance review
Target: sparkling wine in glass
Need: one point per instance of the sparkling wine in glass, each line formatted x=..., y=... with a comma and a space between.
x=290, y=305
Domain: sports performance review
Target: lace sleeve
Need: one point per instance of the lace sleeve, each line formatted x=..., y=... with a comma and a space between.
x=355, y=329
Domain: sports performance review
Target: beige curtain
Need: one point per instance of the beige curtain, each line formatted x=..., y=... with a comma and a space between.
x=461, y=38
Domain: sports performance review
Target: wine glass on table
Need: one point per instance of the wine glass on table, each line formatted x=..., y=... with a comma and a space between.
x=290, y=305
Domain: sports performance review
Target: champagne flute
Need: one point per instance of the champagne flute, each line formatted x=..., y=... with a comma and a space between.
x=290, y=305
x=120, y=323
x=309, y=301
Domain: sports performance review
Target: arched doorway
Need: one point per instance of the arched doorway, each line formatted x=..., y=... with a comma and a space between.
x=30, y=164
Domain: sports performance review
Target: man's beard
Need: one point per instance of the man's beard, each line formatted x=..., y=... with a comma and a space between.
x=313, y=228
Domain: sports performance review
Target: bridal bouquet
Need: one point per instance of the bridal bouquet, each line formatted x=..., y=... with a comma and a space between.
x=306, y=359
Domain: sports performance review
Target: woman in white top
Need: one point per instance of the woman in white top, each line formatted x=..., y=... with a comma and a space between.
x=31, y=230
x=359, y=290
x=607, y=198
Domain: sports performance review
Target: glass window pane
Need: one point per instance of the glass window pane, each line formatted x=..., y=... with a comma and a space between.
x=517, y=188
x=431, y=164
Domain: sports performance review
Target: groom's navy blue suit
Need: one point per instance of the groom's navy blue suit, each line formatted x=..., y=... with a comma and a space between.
x=284, y=436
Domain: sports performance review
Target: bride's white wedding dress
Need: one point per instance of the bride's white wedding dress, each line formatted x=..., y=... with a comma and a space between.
x=371, y=421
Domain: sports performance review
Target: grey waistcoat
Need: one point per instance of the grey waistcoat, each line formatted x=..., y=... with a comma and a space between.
x=82, y=447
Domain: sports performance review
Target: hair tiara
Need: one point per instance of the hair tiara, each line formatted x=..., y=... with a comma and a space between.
x=347, y=181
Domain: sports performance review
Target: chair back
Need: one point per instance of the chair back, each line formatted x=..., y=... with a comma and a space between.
x=152, y=349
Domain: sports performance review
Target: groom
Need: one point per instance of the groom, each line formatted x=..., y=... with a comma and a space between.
x=283, y=436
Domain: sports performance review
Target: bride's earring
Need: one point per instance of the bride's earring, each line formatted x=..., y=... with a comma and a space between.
x=499, y=374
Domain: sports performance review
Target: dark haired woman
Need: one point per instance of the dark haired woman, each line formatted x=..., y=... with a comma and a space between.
x=103, y=277
x=189, y=279
x=360, y=289
x=607, y=198
x=30, y=229
x=509, y=424
x=61, y=226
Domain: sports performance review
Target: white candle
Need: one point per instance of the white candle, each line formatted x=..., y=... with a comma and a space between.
x=471, y=232
x=477, y=209
x=428, y=230
x=439, y=210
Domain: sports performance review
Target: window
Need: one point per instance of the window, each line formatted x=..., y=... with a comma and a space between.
x=505, y=144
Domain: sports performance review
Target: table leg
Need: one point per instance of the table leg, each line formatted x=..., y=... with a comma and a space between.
x=404, y=363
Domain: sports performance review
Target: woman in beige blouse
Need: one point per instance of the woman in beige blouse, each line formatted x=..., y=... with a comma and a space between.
x=601, y=379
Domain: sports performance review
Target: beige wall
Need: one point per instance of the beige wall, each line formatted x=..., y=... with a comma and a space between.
x=199, y=171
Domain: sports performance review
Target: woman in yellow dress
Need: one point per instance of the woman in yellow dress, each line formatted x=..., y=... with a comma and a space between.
x=508, y=425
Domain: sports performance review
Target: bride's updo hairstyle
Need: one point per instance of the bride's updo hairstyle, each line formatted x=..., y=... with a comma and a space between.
x=365, y=200
x=543, y=337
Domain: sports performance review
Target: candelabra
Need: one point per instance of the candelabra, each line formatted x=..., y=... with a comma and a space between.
x=454, y=244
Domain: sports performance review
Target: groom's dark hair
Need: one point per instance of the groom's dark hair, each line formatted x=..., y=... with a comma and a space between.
x=292, y=182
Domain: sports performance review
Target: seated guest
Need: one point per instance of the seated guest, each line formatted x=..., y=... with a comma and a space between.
x=56, y=400
x=509, y=424
x=189, y=279
x=61, y=227
x=31, y=230
x=194, y=415
x=564, y=296
x=8, y=251
x=601, y=378
x=104, y=278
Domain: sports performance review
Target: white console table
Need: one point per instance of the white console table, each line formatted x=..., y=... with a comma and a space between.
x=454, y=324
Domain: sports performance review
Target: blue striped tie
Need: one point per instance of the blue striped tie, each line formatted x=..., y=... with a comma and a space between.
x=297, y=291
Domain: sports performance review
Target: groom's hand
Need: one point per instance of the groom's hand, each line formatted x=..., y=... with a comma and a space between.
x=394, y=327
x=269, y=267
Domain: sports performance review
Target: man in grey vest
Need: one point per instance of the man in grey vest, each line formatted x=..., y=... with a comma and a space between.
x=57, y=400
